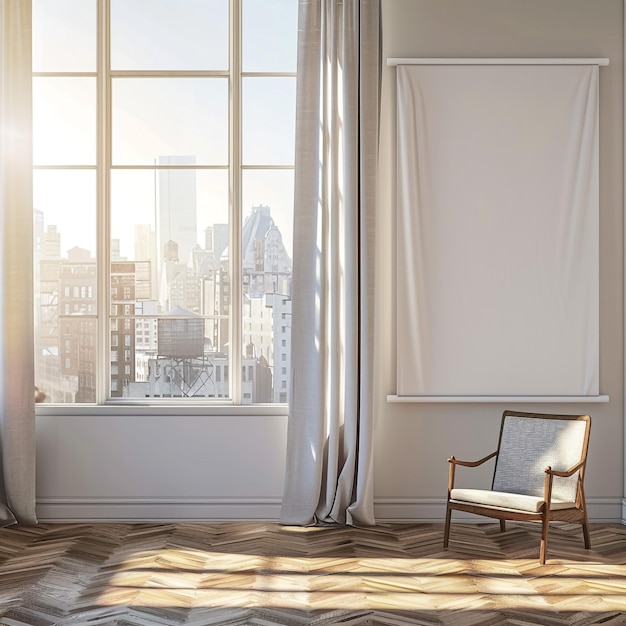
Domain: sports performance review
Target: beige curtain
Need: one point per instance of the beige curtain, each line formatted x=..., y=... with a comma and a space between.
x=329, y=471
x=17, y=404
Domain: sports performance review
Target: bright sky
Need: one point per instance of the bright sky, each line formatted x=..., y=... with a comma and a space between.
x=153, y=117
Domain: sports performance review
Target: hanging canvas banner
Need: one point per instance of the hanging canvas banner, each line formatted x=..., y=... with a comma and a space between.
x=498, y=240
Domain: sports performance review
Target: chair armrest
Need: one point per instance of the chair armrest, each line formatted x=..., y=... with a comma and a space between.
x=550, y=474
x=472, y=463
x=454, y=462
x=566, y=473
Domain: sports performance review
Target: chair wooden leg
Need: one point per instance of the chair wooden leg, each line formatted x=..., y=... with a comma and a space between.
x=585, y=525
x=502, y=526
x=544, y=539
x=446, y=532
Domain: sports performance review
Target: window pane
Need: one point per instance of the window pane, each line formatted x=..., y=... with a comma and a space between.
x=64, y=121
x=169, y=34
x=274, y=189
x=270, y=32
x=156, y=116
x=170, y=216
x=65, y=285
x=269, y=121
x=64, y=35
x=266, y=260
x=65, y=213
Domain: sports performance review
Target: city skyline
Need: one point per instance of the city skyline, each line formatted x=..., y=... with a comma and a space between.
x=119, y=252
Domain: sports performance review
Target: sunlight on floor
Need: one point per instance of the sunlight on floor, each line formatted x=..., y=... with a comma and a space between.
x=194, y=578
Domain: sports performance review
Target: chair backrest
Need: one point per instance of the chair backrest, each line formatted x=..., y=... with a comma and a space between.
x=530, y=442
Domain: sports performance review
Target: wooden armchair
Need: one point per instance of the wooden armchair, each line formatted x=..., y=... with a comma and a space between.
x=538, y=475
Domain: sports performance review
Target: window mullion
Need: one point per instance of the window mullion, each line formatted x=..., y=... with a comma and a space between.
x=103, y=255
x=236, y=325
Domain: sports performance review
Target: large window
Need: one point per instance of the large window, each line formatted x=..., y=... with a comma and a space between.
x=163, y=198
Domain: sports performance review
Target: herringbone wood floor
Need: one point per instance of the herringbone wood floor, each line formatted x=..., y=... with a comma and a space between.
x=264, y=574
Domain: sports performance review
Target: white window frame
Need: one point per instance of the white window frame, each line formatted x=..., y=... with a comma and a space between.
x=103, y=167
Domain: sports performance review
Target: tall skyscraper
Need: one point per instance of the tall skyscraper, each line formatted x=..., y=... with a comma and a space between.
x=176, y=210
x=51, y=244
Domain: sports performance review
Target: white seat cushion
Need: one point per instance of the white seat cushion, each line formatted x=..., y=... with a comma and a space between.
x=503, y=500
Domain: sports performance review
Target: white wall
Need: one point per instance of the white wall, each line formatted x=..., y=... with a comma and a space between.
x=413, y=441
x=159, y=466
x=167, y=466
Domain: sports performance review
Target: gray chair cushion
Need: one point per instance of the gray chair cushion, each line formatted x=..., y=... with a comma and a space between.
x=528, y=446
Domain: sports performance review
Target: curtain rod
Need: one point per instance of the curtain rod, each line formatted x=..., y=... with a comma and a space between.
x=495, y=61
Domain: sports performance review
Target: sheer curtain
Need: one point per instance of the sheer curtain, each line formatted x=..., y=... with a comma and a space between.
x=329, y=471
x=17, y=403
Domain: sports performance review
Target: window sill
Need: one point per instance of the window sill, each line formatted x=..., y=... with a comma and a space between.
x=161, y=410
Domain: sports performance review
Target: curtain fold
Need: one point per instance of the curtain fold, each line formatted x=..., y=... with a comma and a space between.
x=329, y=469
x=17, y=402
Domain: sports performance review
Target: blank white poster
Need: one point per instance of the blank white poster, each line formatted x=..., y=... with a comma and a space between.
x=498, y=251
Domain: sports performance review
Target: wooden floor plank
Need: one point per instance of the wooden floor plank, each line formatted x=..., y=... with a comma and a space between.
x=198, y=574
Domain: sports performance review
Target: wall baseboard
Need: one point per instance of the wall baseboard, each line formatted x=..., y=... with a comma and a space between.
x=71, y=510
x=387, y=510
